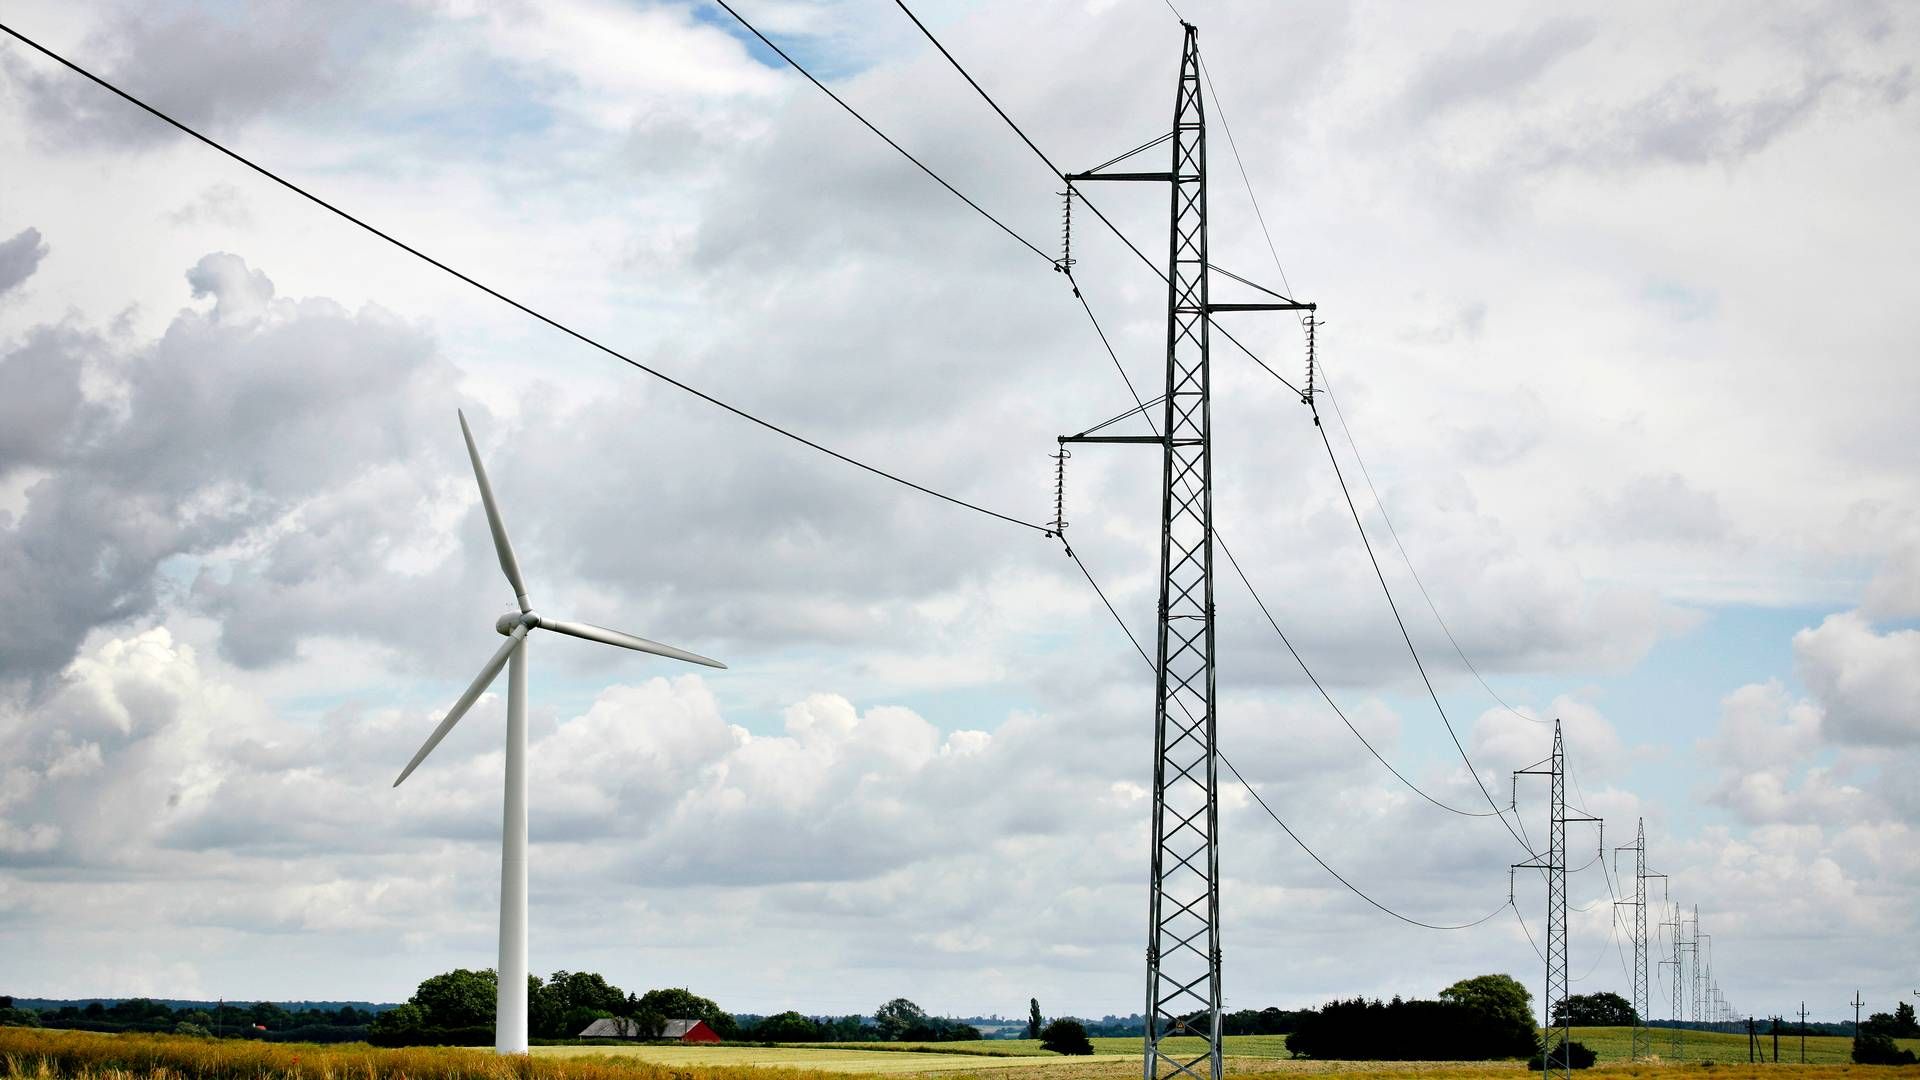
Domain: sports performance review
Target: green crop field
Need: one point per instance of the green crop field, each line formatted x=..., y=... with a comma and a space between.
x=1615, y=1044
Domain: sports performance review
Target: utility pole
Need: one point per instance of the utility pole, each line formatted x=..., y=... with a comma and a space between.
x=1556, y=870
x=1642, y=1007
x=1803, y=1033
x=1776, y=1040
x=1183, y=906
x=1752, y=1041
x=1856, y=1013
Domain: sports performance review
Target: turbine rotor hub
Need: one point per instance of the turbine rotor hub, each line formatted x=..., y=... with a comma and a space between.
x=504, y=624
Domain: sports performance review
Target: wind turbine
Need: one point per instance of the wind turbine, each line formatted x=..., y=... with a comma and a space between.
x=510, y=1017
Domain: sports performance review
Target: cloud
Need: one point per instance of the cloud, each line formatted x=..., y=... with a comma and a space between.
x=1867, y=681
x=20, y=256
x=226, y=425
x=279, y=56
x=1662, y=508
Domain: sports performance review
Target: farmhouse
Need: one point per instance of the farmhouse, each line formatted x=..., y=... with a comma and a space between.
x=620, y=1027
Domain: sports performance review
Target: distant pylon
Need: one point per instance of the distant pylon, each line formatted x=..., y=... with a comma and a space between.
x=1642, y=1006
x=1679, y=962
x=1556, y=870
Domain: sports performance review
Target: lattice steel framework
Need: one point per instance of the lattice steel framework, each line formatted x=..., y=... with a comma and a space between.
x=1642, y=1001
x=1679, y=979
x=1183, y=917
x=1699, y=968
x=1183, y=939
x=1556, y=870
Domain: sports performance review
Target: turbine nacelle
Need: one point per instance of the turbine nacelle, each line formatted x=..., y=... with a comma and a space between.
x=504, y=624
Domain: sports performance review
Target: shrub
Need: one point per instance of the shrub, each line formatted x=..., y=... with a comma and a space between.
x=1574, y=1055
x=1065, y=1036
x=1878, y=1048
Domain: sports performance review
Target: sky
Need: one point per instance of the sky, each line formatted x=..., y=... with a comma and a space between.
x=1616, y=317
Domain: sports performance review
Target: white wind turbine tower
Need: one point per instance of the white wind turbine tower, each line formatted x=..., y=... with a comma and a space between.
x=510, y=1019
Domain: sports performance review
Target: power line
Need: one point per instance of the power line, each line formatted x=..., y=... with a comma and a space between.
x=1221, y=111
x=1097, y=213
x=1295, y=837
x=855, y=113
x=1368, y=544
x=1051, y=167
x=502, y=297
x=1380, y=505
x=1141, y=408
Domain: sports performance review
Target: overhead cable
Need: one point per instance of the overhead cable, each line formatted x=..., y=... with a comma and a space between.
x=1408, y=638
x=1141, y=408
x=1380, y=505
x=502, y=297
x=1097, y=212
x=1295, y=837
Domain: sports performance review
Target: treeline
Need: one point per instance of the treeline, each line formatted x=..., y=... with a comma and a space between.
x=456, y=1008
x=1478, y=1019
x=898, y=1020
x=257, y=1020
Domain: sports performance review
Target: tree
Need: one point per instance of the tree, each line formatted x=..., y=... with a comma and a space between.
x=788, y=1026
x=897, y=1018
x=1033, y=1018
x=567, y=1002
x=1604, y=1009
x=1878, y=1048
x=1905, y=1024
x=679, y=1003
x=458, y=999
x=1494, y=995
x=1066, y=1036
x=399, y=1021
x=188, y=1027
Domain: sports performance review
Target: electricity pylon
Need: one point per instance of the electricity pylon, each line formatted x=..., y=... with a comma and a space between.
x=1681, y=946
x=1183, y=907
x=1642, y=1007
x=1700, y=968
x=1556, y=870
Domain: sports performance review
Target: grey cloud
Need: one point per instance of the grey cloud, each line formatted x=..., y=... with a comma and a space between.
x=20, y=256
x=279, y=55
x=224, y=425
x=1661, y=508
x=219, y=204
x=1495, y=67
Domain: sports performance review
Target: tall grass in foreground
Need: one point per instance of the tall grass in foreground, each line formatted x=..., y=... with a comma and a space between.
x=42, y=1054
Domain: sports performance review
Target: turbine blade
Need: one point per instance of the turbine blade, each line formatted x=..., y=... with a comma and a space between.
x=500, y=543
x=625, y=641
x=474, y=690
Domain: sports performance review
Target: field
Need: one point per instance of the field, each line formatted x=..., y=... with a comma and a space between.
x=39, y=1054
x=1615, y=1044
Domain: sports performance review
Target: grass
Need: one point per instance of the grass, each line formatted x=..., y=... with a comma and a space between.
x=41, y=1054
x=1615, y=1044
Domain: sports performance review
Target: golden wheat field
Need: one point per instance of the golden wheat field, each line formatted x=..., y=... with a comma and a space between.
x=41, y=1054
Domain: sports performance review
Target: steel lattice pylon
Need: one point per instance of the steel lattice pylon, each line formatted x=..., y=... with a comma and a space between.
x=1183, y=942
x=1642, y=1000
x=1681, y=948
x=1183, y=914
x=1556, y=870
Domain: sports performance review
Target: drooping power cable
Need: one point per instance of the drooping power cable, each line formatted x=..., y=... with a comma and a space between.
x=502, y=297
